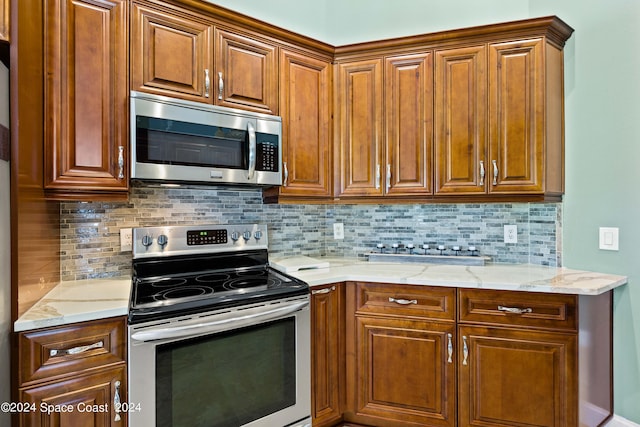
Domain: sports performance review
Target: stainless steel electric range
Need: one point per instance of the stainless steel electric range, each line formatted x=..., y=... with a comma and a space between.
x=216, y=337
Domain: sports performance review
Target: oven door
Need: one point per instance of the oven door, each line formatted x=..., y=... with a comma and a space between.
x=246, y=367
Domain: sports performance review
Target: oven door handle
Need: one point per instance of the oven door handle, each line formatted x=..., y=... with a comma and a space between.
x=217, y=325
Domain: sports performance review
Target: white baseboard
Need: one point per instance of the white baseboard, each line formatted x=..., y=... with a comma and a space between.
x=618, y=421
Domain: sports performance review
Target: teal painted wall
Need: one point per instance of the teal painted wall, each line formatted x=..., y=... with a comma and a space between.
x=602, y=89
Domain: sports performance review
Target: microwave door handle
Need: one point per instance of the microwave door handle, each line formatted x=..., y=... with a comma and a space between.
x=218, y=325
x=252, y=150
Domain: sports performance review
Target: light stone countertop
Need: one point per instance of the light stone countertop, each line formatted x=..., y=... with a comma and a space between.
x=84, y=300
x=78, y=301
x=514, y=277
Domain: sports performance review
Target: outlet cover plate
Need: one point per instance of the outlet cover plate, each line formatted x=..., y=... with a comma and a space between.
x=609, y=238
x=338, y=230
x=511, y=234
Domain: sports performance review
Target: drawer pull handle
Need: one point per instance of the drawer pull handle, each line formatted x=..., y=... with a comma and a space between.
x=377, y=183
x=465, y=350
x=116, y=402
x=450, y=348
x=323, y=291
x=76, y=350
x=403, y=301
x=515, y=310
x=482, y=173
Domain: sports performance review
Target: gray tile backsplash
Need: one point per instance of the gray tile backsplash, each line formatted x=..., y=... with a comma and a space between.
x=90, y=241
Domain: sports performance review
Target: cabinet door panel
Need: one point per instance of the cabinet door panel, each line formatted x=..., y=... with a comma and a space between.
x=170, y=54
x=86, y=93
x=403, y=373
x=249, y=72
x=327, y=348
x=305, y=108
x=515, y=378
x=460, y=120
x=88, y=399
x=359, y=101
x=409, y=118
x=516, y=116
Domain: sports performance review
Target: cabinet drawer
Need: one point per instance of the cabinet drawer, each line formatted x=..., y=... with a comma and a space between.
x=405, y=301
x=528, y=309
x=55, y=352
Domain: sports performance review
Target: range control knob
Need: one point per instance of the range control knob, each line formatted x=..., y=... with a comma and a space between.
x=246, y=236
x=258, y=235
x=147, y=240
x=163, y=240
x=235, y=236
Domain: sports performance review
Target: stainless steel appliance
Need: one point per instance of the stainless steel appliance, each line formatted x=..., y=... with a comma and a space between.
x=216, y=337
x=174, y=141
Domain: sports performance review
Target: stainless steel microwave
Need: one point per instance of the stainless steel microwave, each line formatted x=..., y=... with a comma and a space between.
x=176, y=141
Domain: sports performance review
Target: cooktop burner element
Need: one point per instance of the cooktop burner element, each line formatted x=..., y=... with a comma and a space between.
x=173, y=276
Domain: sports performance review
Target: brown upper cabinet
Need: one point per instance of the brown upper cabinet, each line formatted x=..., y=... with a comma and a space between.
x=359, y=121
x=499, y=119
x=305, y=107
x=460, y=120
x=184, y=54
x=384, y=125
x=86, y=98
x=246, y=72
x=471, y=114
x=171, y=52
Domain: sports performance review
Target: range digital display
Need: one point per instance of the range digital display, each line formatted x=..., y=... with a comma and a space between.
x=206, y=237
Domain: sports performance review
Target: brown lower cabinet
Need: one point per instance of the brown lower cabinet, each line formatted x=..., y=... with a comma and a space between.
x=437, y=356
x=73, y=375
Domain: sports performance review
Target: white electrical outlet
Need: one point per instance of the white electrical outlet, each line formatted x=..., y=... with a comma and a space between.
x=126, y=239
x=338, y=230
x=511, y=234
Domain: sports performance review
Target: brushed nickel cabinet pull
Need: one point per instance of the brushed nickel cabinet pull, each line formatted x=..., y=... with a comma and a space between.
x=207, y=83
x=75, y=350
x=116, y=402
x=465, y=350
x=286, y=174
x=403, y=301
x=515, y=310
x=388, y=176
x=482, y=173
x=220, y=85
x=377, y=176
x=495, y=172
x=323, y=291
x=121, y=162
x=450, y=348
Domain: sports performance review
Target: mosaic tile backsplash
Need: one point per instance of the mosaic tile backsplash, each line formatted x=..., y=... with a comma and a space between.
x=90, y=232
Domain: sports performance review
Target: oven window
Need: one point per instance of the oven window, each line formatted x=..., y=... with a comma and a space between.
x=173, y=142
x=227, y=379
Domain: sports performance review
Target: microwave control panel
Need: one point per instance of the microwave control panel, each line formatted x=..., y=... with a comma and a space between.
x=267, y=152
